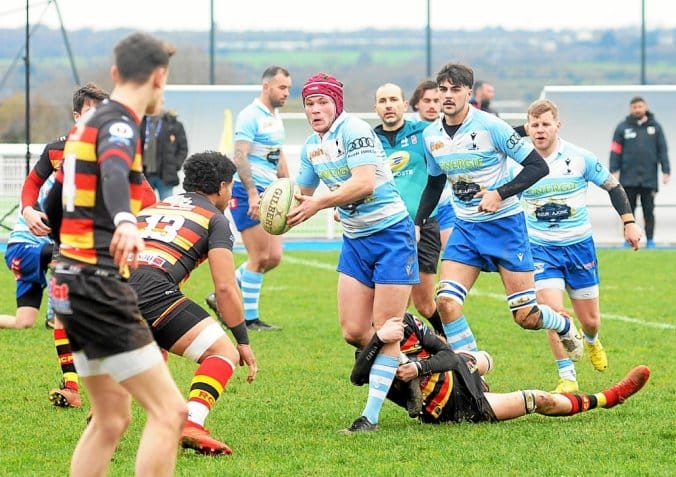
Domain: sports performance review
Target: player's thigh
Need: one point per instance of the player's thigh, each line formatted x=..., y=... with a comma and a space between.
x=551, y=296
x=516, y=281
x=389, y=301
x=355, y=305
x=257, y=241
x=462, y=273
x=587, y=311
x=156, y=391
x=108, y=398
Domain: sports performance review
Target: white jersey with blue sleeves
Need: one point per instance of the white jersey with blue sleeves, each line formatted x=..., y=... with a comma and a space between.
x=476, y=159
x=352, y=143
x=556, y=205
x=265, y=131
x=20, y=232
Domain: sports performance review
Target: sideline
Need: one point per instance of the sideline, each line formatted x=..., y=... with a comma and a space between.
x=496, y=296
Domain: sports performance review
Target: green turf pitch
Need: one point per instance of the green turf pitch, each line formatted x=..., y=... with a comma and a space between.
x=286, y=422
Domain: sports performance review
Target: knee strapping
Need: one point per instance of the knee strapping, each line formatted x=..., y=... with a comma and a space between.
x=529, y=401
x=453, y=290
x=522, y=299
x=203, y=341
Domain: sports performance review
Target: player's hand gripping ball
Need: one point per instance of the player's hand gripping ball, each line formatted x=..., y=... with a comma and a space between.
x=277, y=200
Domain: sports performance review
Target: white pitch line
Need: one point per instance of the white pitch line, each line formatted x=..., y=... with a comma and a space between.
x=310, y=263
x=495, y=296
x=607, y=316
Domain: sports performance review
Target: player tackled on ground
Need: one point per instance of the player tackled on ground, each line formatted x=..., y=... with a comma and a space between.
x=452, y=387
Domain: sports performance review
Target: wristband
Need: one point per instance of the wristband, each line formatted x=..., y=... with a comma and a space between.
x=627, y=222
x=418, y=367
x=124, y=217
x=240, y=333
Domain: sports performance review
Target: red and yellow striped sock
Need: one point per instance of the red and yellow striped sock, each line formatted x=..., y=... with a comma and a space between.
x=207, y=385
x=585, y=402
x=65, y=354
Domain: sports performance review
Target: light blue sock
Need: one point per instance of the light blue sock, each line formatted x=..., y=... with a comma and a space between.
x=380, y=379
x=459, y=335
x=552, y=320
x=251, y=293
x=566, y=369
x=238, y=274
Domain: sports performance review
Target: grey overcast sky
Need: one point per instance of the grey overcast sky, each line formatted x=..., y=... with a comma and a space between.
x=313, y=15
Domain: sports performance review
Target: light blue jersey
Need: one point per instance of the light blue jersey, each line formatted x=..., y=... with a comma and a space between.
x=352, y=143
x=476, y=159
x=556, y=205
x=265, y=131
x=20, y=232
x=406, y=157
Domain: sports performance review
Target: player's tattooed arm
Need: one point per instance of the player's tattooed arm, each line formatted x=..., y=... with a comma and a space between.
x=241, y=159
x=618, y=197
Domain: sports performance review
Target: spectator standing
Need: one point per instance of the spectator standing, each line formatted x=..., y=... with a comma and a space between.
x=482, y=94
x=165, y=147
x=637, y=150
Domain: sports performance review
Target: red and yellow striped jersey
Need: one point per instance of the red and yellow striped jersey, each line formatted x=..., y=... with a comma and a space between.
x=179, y=232
x=108, y=133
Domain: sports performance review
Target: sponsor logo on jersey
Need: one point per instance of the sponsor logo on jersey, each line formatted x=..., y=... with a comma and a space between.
x=121, y=130
x=398, y=160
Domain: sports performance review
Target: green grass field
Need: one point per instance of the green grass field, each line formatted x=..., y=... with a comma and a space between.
x=285, y=423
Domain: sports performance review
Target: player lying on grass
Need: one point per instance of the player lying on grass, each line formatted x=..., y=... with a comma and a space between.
x=451, y=385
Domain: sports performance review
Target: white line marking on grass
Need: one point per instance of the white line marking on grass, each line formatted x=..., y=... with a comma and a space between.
x=496, y=296
x=310, y=263
x=607, y=316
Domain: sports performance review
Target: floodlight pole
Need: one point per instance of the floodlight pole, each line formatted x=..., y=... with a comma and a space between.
x=428, y=38
x=76, y=77
x=643, y=41
x=211, y=45
x=28, y=91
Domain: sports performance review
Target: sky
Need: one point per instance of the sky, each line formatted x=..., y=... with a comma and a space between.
x=314, y=15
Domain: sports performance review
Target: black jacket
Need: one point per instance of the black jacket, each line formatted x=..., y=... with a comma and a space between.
x=172, y=148
x=637, y=150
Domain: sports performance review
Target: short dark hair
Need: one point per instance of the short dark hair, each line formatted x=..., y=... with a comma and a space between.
x=419, y=91
x=85, y=92
x=204, y=172
x=271, y=71
x=456, y=73
x=137, y=56
x=478, y=84
x=637, y=99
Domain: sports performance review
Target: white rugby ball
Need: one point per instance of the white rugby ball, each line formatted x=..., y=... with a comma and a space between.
x=277, y=200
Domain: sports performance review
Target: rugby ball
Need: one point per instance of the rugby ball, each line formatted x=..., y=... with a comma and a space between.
x=277, y=200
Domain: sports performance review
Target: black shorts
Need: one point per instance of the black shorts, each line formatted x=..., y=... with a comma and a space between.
x=98, y=310
x=429, y=247
x=168, y=312
x=467, y=402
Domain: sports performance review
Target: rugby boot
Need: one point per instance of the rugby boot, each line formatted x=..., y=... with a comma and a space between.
x=197, y=437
